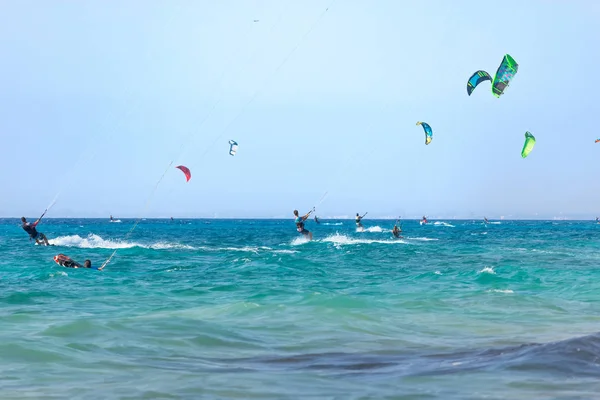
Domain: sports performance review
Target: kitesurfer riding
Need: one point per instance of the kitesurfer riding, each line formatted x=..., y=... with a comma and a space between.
x=39, y=237
x=485, y=220
x=358, y=220
x=300, y=224
x=424, y=220
x=317, y=219
x=396, y=231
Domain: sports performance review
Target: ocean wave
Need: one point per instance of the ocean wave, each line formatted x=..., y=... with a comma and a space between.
x=440, y=223
x=338, y=239
x=371, y=229
x=500, y=291
x=93, y=241
x=487, y=270
x=568, y=358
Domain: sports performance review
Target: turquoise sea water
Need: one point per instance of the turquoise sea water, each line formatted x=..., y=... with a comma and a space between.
x=245, y=309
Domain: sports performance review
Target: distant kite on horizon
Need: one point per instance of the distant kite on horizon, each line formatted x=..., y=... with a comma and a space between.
x=233, y=146
x=597, y=140
x=186, y=171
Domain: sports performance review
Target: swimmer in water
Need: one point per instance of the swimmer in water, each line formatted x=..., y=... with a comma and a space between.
x=67, y=262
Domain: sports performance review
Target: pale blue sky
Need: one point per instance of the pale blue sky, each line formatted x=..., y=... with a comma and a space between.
x=97, y=97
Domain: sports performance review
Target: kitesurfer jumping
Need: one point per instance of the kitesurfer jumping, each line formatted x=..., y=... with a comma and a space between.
x=67, y=262
x=300, y=224
x=39, y=237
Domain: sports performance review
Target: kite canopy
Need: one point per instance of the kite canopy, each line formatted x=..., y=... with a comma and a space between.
x=597, y=140
x=476, y=79
x=233, y=146
x=506, y=71
x=186, y=171
x=428, y=131
x=528, y=146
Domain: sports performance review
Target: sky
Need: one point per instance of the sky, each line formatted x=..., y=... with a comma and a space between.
x=100, y=100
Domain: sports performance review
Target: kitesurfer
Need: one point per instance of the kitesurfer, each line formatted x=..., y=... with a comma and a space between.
x=317, y=219
x=424, y=220
x=396, y=231
x=68, y=262
x=358, y=220
x=485, y=220
x=300, y=224
x=111, y=218
x=39, y=237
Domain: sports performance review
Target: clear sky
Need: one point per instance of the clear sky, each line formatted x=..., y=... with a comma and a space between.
x=97, y=97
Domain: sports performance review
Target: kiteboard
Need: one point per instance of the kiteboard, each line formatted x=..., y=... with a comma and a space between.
x=61, y=258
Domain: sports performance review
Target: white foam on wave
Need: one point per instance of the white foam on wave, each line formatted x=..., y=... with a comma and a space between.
x=440, y=223
x=371, y=229
x=334, y=224
x=423, y=239
x=299, y=241
x=93, y=241
x=115, y=221
x=500, y=291
x=487, y=270
x=285, y=251
x=341, y=240
x=494, y=223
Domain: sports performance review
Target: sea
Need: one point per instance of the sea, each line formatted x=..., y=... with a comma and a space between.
x=248, y=309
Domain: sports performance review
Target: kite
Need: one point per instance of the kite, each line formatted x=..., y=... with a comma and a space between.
x=597, y=140
x=476, y=79
x=428, y=132
x=528, y=146
x=506, y=71
x=186, y=171
x=233, y=146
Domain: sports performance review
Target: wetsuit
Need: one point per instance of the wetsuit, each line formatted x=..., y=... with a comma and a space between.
x=300, y=226
x=30, y=229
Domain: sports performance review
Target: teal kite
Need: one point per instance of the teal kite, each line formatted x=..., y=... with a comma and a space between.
x=528, y=146
x=476, y=79
x=428, y=132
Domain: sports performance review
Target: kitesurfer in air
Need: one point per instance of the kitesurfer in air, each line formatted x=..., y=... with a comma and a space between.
x=30, y=228
x=300, y=224
x=485, y=220
x=68, y=262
